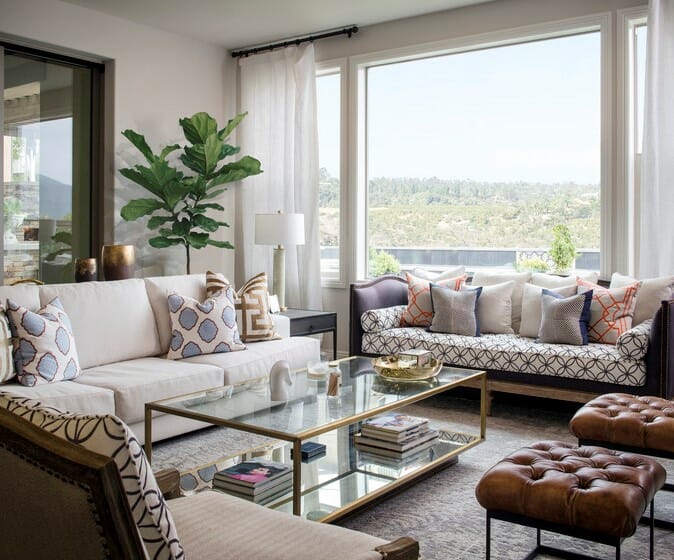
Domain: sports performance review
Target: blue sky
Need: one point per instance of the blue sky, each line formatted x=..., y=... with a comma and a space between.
x=526, y=112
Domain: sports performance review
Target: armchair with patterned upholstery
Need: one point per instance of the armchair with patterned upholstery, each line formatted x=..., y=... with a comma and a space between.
x=79, y=486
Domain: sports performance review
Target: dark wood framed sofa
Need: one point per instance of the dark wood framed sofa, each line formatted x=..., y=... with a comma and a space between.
x=389, y=291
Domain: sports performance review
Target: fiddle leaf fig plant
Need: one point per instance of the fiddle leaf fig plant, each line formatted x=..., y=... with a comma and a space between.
x=182, y=198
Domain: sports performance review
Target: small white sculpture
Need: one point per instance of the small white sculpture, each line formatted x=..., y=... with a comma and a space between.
x=279, y=380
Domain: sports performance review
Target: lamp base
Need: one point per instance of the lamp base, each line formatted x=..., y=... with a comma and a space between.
x=279, y=285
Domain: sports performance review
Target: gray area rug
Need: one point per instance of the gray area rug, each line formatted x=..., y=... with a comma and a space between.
x=441, y=512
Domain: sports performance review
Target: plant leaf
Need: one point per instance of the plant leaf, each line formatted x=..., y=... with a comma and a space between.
x=175, y=192
x=166, y=151
x=138, y=140
x=140, y=207
x=206, y=223
x=181, y=227
x=221, y=244
x=203, y=158
x=213, y=194
x=63, y=237
x=144, y=177
x=198, y=240
x=156, y=221
x=231, y=125
x=162, y=242
x=228, y=150
x=236, y=171
x=201, y=208
x=198, y=127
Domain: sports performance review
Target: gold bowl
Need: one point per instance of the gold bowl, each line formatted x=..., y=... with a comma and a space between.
x=389, y=368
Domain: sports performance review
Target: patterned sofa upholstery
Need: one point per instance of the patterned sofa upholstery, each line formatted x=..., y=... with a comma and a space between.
x=639, y=363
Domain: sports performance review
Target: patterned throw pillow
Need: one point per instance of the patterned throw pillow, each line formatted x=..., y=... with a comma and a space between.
x=7, y=371
x=109, y=436
x=455, y=312
x=252, y=306
x=564, y=320
x=419, y=312
x=44, y=345
x=611, y=311
x=203, y=328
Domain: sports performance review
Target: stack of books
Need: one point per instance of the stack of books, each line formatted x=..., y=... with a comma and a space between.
x=257, y=481
x=395, y=435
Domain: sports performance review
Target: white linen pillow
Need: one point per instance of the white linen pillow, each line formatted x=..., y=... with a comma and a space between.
x=481, y=278
x=494, y=308
x=552, y=281
x=532, y=310
x=652, y=292
x=444, y=275
x=7, y=371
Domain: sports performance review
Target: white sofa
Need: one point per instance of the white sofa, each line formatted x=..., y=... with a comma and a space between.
x=122, y=331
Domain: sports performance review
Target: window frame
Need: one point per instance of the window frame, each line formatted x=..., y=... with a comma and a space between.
x=339, y=67
x=629, y=160
x=358, y=66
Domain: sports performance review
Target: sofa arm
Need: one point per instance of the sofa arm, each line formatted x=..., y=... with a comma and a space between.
x=404, y=548
x=633, y=343
x=377, y=320
x=659, y=358
x=168, y=481
x=385, y=291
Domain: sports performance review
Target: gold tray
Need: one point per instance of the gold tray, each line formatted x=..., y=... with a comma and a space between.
x=387, y=367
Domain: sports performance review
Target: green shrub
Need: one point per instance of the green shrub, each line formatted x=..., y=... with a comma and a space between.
x=563, y=250
x=382, y=262
x=533, y=264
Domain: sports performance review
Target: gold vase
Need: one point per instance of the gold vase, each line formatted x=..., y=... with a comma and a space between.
x=85, y=270
x=118, y=261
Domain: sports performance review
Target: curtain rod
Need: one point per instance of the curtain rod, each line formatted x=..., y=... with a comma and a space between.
x=292, y=42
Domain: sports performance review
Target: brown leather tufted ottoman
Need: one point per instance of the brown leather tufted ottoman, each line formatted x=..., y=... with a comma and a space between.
x=592, y=493
x=631, y=423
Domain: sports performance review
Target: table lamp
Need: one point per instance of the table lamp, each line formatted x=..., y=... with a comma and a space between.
x=281, y=230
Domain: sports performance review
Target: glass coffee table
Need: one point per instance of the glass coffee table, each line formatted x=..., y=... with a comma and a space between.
x=345, y=478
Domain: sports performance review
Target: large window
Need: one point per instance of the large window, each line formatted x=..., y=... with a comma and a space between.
x=474, y=157
x=329, y=101
x=48, y=145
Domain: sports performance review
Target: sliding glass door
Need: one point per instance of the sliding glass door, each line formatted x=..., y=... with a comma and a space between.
x=47, y=145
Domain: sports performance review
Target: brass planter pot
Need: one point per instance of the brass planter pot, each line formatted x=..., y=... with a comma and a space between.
x=118, y=262
x=86, y=270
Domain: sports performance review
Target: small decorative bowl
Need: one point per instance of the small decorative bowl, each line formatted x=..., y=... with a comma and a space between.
x=389, y=368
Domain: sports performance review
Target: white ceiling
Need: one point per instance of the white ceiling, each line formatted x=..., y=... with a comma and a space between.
x=242, y=23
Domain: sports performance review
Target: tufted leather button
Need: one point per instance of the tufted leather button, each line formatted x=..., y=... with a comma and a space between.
x=569, y=476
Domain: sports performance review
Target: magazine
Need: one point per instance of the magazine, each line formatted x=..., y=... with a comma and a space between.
x=254, y=473
x=399, y=437
x=396, y=454
x=257, y=492
x=395, y=446
x=394, y=423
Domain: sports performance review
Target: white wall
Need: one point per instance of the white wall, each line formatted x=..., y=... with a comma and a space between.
x=158, y=78
x=462, y=22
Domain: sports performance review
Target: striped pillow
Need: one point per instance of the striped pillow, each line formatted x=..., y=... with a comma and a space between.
x=7, y=371
x=252, y=306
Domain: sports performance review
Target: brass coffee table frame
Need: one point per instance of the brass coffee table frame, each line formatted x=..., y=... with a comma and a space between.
x=296, y=439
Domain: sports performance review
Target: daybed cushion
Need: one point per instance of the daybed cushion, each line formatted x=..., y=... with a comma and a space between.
x=136, y=382
x=112, y=321
x=251, y=531
x=651, y=293
x=485, y=278
x=192, y=285
x=68, y=395
x=596, y=362
x=259, y=357
x=27, y=295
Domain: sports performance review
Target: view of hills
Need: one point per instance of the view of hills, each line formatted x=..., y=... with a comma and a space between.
x=432, y=212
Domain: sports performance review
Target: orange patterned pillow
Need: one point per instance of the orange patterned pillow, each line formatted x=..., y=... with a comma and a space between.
x=611, y=311
x=419, y=312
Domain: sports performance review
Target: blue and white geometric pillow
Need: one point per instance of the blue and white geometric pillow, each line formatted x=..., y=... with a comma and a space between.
x=109, y=436
x=203, y=328
x=44, y=345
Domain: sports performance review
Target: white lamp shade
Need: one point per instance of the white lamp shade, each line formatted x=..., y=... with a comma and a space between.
x=279, y=229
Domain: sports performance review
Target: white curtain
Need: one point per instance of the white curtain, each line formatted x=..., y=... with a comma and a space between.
x=278, y=89
x=655, y=251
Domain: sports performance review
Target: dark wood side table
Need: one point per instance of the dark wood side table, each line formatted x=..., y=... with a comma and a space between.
x=304, y=322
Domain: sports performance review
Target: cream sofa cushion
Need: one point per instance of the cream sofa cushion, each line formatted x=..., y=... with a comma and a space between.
x=259, y=357
x=652, y=292
x=27, y=295
x=136, y=382
x=484, y=278
x=552, y=281
x=68, y=395
x=192, y=285
x=213, y=525
x=112, y=321
x=532, y=310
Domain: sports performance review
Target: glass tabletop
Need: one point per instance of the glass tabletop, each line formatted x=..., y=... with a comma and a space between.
x=309, y=410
